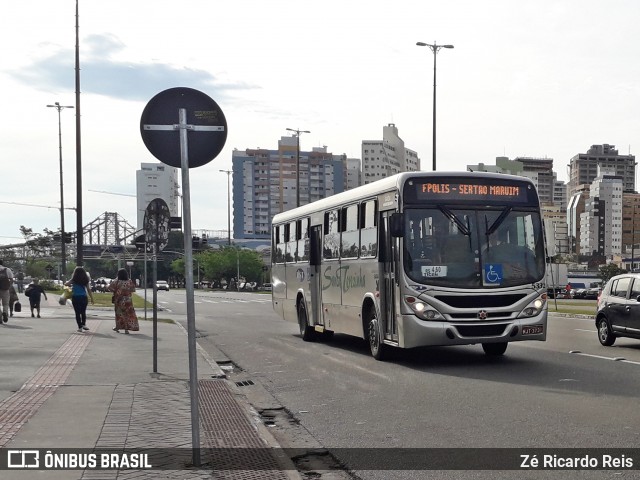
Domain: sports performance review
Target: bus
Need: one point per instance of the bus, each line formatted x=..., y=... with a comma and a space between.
x=416, y=259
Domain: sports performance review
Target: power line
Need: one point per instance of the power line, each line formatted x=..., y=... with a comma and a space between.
x=40, y=206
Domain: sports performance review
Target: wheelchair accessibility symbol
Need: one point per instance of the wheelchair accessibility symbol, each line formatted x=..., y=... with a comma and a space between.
x=492, y=274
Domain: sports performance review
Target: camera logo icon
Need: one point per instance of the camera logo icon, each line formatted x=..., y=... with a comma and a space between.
x=23, y=458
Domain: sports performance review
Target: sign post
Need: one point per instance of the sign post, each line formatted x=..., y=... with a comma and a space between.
x=156, y=230
x=202, y=132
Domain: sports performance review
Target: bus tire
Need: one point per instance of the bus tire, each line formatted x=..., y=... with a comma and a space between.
x=307, y=332
x=374, y=337
x=495, y=349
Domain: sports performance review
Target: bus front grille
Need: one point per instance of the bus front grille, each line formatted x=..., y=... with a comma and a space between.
x=483, y=301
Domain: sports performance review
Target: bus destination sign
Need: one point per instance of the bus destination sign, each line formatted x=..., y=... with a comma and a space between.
x=434, y=190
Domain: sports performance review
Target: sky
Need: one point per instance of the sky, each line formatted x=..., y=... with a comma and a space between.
x=536, y=78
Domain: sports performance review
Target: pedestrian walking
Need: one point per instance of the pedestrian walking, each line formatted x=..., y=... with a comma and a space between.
x=13, y=298
x=6, y=280
x=80, y=295
x=34, y=291
x=122, y=288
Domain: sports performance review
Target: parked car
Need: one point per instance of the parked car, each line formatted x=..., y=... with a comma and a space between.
x=618, y=313
x=162, y=285
x=266, y=287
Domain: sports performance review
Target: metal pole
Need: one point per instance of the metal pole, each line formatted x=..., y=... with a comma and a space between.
x=297, y=131
x=188, y=253
x=63, y=246
x=435, y=54
x=238, y=269
x=298, y=169
x=434, y=48
x=79, y=227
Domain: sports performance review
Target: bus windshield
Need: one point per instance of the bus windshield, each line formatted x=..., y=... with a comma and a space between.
x=462, y=247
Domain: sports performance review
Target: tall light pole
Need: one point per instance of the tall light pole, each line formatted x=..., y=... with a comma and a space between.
x=63, y=248
x=434, y=48
x=228, y=172
x=297, y=131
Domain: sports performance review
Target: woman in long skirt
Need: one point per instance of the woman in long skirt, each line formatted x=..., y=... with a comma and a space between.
x=122, y=288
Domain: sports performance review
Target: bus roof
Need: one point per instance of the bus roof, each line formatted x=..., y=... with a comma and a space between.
x=378, y=187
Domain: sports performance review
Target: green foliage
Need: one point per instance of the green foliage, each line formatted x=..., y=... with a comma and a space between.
x=223, y=264
x=608, y=271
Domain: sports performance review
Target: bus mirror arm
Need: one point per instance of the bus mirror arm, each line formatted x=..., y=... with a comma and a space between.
x=396, y=225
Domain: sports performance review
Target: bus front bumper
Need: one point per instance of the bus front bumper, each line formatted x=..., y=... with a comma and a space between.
x=414, y=332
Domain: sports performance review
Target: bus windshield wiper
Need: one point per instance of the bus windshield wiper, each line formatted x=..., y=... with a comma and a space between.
x=452, y=216
x=494, y=226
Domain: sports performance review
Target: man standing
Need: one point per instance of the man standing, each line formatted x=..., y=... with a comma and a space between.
x=6, y=279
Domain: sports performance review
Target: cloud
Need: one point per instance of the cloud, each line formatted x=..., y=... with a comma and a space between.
x=102, y=74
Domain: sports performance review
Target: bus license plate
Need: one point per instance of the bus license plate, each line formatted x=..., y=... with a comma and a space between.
x=532, y=329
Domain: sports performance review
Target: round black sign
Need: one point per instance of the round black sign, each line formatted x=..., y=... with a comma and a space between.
x=206, y=126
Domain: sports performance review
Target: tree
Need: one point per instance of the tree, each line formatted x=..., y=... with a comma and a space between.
x=225, y=263
x=608, y=271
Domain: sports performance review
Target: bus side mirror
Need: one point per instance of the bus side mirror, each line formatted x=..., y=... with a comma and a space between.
x=396, y=225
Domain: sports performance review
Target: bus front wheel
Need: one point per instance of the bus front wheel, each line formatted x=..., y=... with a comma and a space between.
x=307, y=332
x=494, y=349
x=374, y=336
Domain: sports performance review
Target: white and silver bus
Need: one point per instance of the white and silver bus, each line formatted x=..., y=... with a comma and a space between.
x=416, y=259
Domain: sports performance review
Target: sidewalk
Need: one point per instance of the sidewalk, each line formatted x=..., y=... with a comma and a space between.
x=60, y=389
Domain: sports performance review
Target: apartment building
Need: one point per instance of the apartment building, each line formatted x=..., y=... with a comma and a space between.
x=386, y=157
x=583, y=168
x=266, y=182
x=601, y=221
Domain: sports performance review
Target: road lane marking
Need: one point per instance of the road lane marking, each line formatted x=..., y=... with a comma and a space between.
x=613, y=359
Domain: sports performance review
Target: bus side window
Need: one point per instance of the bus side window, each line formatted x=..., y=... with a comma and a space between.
x=292, y=243
x=331, y=238
x=349, y=245
x=303, y=239
x=368, y=229
x=278, y=240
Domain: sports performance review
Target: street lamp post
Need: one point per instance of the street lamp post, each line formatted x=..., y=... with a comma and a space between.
x=297, y=131
x=228, y=172
x=434, y=48
x=63, y=249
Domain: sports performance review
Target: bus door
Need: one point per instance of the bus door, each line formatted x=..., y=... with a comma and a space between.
x=315, y=278
x=388, y=275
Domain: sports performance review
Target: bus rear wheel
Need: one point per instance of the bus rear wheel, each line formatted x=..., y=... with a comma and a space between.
x=374, y=337
x=495, y=349
x=307, y=332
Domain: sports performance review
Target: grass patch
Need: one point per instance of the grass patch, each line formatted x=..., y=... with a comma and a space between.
x=575, y=307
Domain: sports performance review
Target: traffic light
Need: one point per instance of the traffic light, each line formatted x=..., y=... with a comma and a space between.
x=67, y=237
x=195, y=242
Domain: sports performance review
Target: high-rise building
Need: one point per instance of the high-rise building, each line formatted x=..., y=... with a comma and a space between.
x=583, y=168
x=601, y=222
x=157, y=180
x=265, y=182
x=386, y=157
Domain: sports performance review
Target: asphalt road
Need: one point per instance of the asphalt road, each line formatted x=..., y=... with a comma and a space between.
x=567, y=392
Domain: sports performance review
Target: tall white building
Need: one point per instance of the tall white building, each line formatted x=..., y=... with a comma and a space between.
x=157, y=180
x=601, y=221
x=386, y=157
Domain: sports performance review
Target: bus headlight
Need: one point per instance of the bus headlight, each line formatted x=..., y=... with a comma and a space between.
x=534, y=308
x=421, y=309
